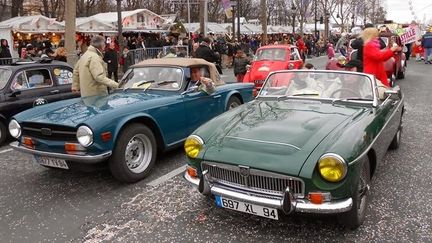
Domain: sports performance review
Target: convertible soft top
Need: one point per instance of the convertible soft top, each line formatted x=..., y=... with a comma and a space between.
x=183, y=62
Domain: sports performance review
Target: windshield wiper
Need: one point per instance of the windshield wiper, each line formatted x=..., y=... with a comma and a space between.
x=140, y=84
x=351, y=99
x=166, y=82
x=306, y=94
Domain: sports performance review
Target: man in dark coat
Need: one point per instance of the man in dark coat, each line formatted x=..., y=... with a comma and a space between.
x=5, y=55
x=111, y=58
x=205, y=52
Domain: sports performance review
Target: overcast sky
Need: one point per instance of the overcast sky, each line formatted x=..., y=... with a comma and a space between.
x=399, y=11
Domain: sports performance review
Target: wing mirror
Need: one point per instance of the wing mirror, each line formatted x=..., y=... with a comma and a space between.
x=393, y=94
x=15, y=93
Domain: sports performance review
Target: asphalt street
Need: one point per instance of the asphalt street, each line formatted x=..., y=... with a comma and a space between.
x=39, y=204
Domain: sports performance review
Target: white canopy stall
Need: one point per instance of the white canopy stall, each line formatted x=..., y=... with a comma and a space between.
x=23, y=27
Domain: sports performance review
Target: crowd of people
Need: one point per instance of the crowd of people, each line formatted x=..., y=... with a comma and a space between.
x=226, y=51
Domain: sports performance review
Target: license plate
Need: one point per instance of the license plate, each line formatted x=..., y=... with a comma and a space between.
x=244, y=207
x=51, y=162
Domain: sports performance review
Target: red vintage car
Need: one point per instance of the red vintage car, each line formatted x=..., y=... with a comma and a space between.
x=272, y=58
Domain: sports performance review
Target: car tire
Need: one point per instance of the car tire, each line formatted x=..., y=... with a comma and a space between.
x=395, y=143
x=233, y=102
x=401, y=73
x=134, y=154
x=355, y=217
x=4, y=133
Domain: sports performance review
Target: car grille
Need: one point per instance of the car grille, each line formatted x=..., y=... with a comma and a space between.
x=49, y=132
x=258, y=181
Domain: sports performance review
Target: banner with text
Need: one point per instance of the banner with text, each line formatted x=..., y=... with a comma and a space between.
x=410, y=34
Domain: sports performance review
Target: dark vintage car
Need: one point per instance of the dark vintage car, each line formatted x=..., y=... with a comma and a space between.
x=27, y=84
x=272, y=58
x=153, y=111
x=310, y=142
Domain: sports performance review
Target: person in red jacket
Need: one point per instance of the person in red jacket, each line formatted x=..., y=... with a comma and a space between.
x=301, y=47
x=373, y=57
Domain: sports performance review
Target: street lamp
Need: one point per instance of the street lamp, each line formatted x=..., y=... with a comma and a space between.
x=293, y=12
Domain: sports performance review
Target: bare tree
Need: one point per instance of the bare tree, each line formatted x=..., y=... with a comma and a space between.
x=17, y=8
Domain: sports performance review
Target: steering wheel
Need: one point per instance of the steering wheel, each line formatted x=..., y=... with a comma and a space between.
x=347, y=90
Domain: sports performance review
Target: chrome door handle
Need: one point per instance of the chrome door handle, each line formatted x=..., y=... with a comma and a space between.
x=216, y=96
x=55, y=91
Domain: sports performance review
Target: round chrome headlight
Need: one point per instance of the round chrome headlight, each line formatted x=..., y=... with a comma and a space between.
x=193, y=146
x=332, y=167
x=14, y=129
x=85, y=136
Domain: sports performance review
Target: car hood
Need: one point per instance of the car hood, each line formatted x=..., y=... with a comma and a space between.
x=260, y=69
x=275, y=136
x=80, y=110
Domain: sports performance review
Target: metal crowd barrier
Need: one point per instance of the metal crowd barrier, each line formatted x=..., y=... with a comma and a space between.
x=138, y=54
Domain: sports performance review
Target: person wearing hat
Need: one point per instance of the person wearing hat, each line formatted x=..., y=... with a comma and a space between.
x=354, y=65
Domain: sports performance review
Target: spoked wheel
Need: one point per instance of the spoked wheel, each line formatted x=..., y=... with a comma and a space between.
x=355, y=217
x=134, y=154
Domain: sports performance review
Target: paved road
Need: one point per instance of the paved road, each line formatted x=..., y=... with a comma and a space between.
x=39, y=204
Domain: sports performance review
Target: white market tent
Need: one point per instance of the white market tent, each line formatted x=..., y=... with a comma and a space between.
x=37, y=24
x=139, y=20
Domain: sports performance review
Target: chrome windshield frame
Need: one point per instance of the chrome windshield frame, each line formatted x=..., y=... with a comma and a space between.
x=374, y=101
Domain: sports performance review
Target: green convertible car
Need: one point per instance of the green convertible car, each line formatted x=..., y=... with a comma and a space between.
x=309, y=143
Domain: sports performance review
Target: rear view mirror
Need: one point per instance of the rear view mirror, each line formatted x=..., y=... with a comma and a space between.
x=394, y=93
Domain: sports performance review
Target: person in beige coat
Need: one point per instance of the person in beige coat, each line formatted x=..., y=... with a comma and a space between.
x=90, y=72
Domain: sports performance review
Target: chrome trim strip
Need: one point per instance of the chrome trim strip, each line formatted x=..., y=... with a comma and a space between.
x=261, y=141
x=90, y=159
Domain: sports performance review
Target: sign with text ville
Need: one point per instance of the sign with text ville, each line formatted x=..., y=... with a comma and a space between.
x=410, y=34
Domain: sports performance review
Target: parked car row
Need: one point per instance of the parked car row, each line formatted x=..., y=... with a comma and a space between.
x=310, y=142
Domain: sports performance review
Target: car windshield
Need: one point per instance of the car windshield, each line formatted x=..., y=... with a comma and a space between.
x=161, y=78
x=4, y=77
x=386, y=40
x=318, y=85
x=272, y=54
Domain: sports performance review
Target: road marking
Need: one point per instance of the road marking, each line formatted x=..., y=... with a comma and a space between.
x=167, y=176
x=5, y=151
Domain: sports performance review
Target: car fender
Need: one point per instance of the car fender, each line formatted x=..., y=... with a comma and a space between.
x=123, y=122
x=231, y=93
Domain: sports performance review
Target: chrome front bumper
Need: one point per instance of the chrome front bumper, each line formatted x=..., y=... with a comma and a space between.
x=88, y=159
x=287, y=204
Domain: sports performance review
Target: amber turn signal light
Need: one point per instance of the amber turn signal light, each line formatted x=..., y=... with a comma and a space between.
x=192, y=172
x=28, y=142
x=316, y=198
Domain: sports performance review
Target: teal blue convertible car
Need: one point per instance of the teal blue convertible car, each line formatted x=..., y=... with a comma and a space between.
x=154, y=110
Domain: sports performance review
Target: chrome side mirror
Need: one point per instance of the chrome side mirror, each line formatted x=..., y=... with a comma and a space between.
x=393, y=94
